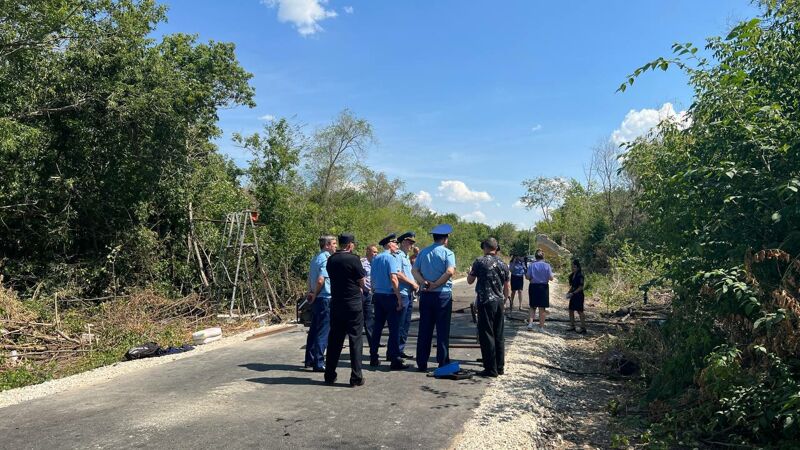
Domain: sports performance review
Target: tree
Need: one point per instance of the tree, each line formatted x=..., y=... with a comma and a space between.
x=606, y=166
x=102, y=129
x=336, y=152
x=544, y=193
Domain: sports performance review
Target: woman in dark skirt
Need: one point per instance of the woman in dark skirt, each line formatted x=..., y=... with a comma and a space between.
x=517, y=280
x=575, y=296
x=539, y=274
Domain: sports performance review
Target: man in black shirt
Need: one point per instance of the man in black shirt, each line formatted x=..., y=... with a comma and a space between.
x=493, y=288
x=347, y=283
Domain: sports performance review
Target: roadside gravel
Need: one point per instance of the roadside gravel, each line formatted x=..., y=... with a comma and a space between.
x=535, y=407
x=105, y=373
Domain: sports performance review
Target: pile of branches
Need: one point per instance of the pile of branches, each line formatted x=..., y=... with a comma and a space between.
x=37, y=341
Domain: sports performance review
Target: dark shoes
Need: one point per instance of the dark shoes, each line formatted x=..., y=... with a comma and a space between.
x=486, y=373
x=582, y=331
x=501, y=372
x=354, y=383
x=330, y=381
x=399, y=366
x=374, y=362
x=405, y=356
x=319, y=369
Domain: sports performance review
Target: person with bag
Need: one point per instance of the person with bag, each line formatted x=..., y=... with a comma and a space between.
x=492, y=289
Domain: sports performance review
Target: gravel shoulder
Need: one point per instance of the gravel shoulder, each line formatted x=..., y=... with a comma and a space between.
x=533, y=406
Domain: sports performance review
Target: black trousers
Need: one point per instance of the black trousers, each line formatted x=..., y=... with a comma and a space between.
x=345, y=322
x=491, y=325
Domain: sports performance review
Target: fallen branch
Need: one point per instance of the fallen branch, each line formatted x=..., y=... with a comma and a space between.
x=46, y=352
x=572, y=372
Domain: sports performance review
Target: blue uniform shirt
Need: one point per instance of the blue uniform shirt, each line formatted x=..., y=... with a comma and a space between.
x=518, y=269
x=368, y=269
x=383, y=266
x=318, y=269
x=540, y=272
x=433, y=261
x=405, y=268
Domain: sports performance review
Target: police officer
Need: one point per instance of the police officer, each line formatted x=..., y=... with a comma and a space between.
x=347, y=283
x=319, y=297
x=408, y=286
x=434, y=267
x=388, y=304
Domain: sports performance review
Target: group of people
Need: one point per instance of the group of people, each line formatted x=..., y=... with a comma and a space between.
x=348, y=293
x=539, y=273
x=351, y=297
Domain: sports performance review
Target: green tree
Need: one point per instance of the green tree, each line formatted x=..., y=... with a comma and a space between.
x=722, y=203
x=544, y=193
x=101, y=131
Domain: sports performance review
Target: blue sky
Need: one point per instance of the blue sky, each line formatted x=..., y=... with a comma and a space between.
x=466, y=98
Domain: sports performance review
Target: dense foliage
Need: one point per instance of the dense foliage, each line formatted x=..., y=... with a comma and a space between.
x=723, y=208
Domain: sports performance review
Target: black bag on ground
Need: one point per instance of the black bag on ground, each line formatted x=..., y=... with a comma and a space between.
x=143, y=351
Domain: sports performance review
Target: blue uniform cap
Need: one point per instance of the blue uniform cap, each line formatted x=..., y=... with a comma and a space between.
x=407, y=235
x=387, y=239
x=442, y=229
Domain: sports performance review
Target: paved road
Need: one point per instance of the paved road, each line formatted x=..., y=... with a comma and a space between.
x=253, y=395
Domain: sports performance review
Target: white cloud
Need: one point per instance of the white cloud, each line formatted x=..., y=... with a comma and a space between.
x=518, y=204
x=536, y=127
x=475, y=216
x=423, y=198
x=267, y=118
x=348, y=9
x=457, y=191
x=305, y=15
x=639, y=123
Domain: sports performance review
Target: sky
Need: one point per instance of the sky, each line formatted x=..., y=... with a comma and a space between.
x=467, y=98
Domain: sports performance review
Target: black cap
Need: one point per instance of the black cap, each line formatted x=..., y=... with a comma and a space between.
x=387, y=239
x=346, y=238
x=407, y=235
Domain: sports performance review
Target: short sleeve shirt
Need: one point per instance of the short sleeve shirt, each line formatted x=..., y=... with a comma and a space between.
x=575, y=281
x=346, y=273
x=492, y=274
x=318, y=269
x=518, y=269
x=405, y=268
x=383, y=266
x=433, y=261
x=540, y=272
x=368, y=269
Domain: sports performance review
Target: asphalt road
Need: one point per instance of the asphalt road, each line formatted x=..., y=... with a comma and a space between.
x=254, y=395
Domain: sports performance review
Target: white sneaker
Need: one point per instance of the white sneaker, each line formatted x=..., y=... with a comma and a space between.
x=530, y=326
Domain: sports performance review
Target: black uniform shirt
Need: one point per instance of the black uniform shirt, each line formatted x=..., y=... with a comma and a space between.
x=345, y=271
x=492, y=273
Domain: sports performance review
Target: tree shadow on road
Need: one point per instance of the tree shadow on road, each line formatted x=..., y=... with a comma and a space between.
x=295, y=381
x=262, y=367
